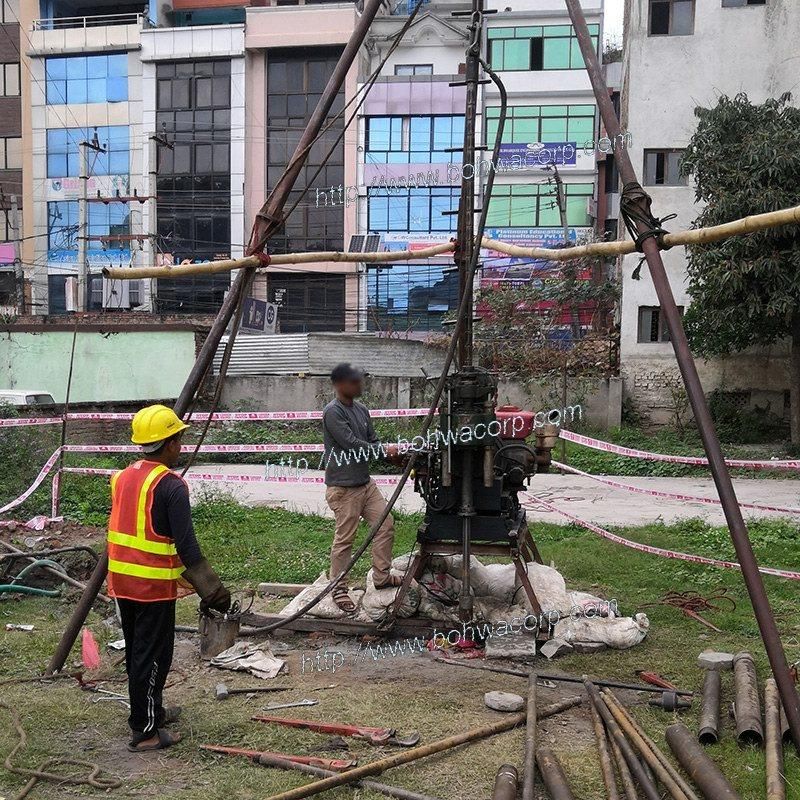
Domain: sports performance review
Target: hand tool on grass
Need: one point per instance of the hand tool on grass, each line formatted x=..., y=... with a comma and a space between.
x=509, y=722
x=669, y=701
x=276, y=706
x=654, y=679
x=375, y=736
x=383, y=788
x=222, y=692
x=333, y=764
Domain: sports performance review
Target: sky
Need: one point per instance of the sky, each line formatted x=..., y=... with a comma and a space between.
x=613, y=21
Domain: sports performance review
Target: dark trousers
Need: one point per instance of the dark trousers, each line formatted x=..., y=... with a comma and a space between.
x=149, y=630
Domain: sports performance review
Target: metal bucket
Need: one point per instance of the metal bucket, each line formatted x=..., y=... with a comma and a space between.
x=217, y=634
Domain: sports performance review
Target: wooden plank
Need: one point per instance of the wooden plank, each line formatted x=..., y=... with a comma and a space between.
x=414, y=626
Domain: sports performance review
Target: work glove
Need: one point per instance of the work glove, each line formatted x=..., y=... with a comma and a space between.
x=207, y=584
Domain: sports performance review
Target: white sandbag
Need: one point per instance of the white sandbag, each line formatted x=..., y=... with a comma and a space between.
x=480, y=578
x=550, y=589
x=584, y=604
x=501, y=581
x=377, y=602
x=326, y=608
x=620, y=633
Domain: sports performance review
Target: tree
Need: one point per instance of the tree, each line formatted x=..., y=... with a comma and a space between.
x=745, y=290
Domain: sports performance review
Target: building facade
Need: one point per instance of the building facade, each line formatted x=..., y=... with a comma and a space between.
x=691, y=43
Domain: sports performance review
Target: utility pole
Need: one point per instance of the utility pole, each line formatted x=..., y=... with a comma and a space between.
x=19, y=273
x=561, y=202
x=83, y=227
x=154, y=142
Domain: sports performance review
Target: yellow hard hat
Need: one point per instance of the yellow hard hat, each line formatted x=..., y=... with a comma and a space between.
x=154, y=424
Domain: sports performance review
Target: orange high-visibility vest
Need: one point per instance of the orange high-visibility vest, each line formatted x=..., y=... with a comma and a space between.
x=142, y=564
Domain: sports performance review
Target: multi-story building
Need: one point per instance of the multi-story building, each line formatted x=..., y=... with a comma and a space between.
x=678, y=57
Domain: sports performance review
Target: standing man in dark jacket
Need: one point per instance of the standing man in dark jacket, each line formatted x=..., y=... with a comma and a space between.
x=153, y=558
x=351, y=494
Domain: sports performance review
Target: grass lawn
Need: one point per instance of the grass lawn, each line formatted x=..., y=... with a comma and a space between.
x=249, y=545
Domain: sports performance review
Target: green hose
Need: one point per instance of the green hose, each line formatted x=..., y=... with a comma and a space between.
x=17, y=587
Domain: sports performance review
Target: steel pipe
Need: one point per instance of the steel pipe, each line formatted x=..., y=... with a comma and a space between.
x=628, y=786
x=694, y=388
x=706, y=775
x=614, y=730
x=505, y=783
x=709, y=710
x=654, y=766
x=776, y=786
x=747, y=705
x=659, y=754
x=553, y=776
x=268, y=760
x=606, y=766
x=529, y=762
x=510, y=722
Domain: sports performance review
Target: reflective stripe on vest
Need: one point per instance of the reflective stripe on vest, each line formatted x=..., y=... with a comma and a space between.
x=143, y=564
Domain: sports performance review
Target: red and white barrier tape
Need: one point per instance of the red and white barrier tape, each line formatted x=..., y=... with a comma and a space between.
x=253, y=416
x=669, y=495
x=381, y=480
x=658, y=551
x=697, y=461
x=43, y=473
x=206, y=448
x=22, y=421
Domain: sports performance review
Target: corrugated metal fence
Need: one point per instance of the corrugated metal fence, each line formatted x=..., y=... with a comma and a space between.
x=284, y=354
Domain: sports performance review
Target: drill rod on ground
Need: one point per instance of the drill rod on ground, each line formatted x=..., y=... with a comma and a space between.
x=508, y=723
x=694, y=389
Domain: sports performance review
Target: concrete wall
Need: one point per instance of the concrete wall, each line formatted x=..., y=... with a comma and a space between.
x=125, y=366
x=600, y=401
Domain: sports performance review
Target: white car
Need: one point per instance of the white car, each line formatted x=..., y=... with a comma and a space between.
x=29, y=398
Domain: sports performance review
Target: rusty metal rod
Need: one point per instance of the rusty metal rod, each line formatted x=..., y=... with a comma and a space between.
x=698, y=766
x=269, y=760
x=529, y=763
x=628, y=786
x=548, y=676
x=553, y=776
x=776, y=786
x=747, y=705
x=606, y=766
x=655, y=767
x=659, y=754
x=694, y=389
x=505, y=783
x=407, y=756
x=614, y=731
x=709, y=710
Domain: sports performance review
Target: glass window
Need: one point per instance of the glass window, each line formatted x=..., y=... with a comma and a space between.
x=11, y=152
x=671, y=17
x=63, y=155
x=662, y=168
x=411, y=209
x=537, y=48
x=408, y=140
x=534, y=205
x=87, y=79
x=10, y=80
x=413, y=69
x=526, y=124
x=10, y=12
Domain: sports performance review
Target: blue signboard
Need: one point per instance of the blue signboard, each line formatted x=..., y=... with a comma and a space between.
x=100, y=258
x=530, y=155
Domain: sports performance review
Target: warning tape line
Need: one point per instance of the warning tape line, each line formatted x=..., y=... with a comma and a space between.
x=669, y=495
x=43, y=473
x=205, y=448
x=697, y=461
x=657, y=551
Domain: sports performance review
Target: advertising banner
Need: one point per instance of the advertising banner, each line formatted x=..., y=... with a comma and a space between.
x=530, y=155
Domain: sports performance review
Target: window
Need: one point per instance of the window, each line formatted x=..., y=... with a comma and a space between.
x=10, y=152
x=9, y=12
x=413, y=69
x=309, y=302
x=534, y=205
x=9, y=79
x=7, y=231
x=412, y=209
x=104, y=220
x=662, y=168
x=413, y=140
x=194, y=183
x=671, y=17
x=8, y=289
x=742, y=3
x=543, y=124
x=537, y=47
x=652, y=326
x=87, y=79
x=63, y=151
x=295, y=82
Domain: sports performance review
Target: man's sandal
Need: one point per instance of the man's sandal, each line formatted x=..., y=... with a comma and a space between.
x=342, y=600
x=391, y=582
x=165, y=739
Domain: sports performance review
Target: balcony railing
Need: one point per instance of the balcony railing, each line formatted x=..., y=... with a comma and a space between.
x=94, y=21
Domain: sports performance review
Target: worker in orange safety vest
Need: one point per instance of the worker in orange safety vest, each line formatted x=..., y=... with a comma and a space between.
x=153, y=559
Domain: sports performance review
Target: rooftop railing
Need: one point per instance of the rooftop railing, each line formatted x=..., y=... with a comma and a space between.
x=93, y=21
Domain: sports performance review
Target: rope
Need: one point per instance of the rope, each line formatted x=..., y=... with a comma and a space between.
x=634, y=206
x=93, y=778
